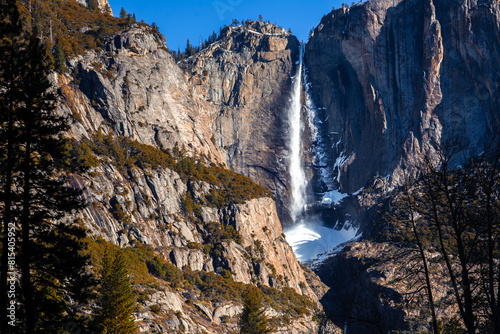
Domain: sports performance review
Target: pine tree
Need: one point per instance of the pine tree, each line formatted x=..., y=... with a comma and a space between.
x=10, y=41
x=252, y=319
x=60, y=58
x=123, y=13
x=48, y=239
x=189, y=49
x=33, y=156
x=116, y=300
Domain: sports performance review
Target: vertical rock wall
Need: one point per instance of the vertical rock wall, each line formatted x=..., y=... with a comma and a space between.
x=397, y=78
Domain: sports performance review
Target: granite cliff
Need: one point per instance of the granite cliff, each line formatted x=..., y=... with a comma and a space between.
x=387, y=80
x=246, y=78
x=393, y=81
x=133, y=89
x=398, y=78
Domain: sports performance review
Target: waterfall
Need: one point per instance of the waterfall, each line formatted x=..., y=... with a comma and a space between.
x=296, y=167
x=309, y=237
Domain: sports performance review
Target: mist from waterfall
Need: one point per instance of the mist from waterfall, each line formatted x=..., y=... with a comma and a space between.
x=298, y=178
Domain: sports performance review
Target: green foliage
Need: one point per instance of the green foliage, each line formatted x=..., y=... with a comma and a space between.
x=119, y=213
x=123, y=13
x=81, y=156
x=217, y=233
x=252, y=319
x=143, y=264
x=60, y=58
x=93, y=5
x=75, y=28
x=116, y=300
x=230, y=187
x=287, y=300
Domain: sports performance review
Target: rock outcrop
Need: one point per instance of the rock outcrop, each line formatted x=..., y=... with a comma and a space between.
x=246, y=78
x=103, y=5
x=134, y=88
x=398, y=78
x=150, y=211
x=228, y=102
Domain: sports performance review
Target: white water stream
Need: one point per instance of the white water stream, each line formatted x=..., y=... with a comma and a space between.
x=297, y=175
x=308, y=236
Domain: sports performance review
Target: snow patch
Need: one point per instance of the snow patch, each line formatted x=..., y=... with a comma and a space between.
x=310, y=240
x=333, y=197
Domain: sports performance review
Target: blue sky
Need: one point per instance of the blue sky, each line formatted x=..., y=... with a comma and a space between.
x=180, y=20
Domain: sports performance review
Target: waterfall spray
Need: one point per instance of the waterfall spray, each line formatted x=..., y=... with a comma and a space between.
x=297, y=174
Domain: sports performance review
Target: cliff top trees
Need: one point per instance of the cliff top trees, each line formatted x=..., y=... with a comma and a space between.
x=123, y=13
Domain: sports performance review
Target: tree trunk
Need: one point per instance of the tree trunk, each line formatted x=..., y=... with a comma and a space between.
x=7, y=220
x=26, y=242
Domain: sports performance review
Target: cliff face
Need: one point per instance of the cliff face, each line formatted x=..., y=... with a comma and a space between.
x=141, y=94
x=245, y=78
x=133, y=88
x=151, y=212
x=228, y=102
x=397, y=78
x=369, y=294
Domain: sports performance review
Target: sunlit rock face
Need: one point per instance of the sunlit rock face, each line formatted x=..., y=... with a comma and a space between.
x=133, y=88
x=103, y=5
x=245, y=78
x=399, y=77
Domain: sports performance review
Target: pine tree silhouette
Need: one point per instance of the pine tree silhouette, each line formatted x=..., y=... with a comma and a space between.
x=10, y=41
x=123, y=13
x=33, y=159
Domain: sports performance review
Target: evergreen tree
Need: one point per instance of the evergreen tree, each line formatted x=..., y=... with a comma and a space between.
x=180, y=56
x=10, y=41
x=123, y=13
x=252, y=319
x=52, y=266
x=32, y=158
x=116, y=300
x=190, y=51
x=60, y=58
x=155, y=28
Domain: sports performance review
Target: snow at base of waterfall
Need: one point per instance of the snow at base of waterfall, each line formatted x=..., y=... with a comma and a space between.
x=310, y=240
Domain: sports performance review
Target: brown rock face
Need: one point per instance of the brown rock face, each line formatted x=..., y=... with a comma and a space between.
x=399, y=77
x=245, y=77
